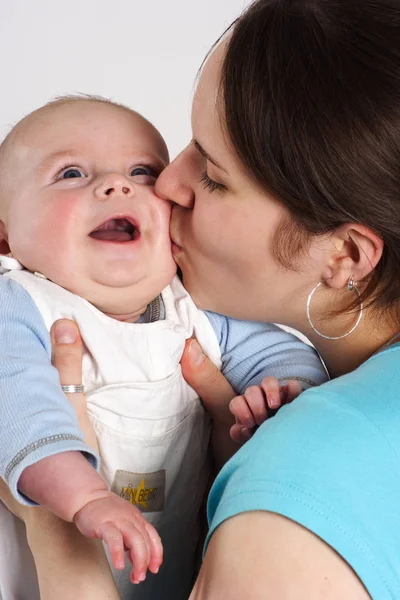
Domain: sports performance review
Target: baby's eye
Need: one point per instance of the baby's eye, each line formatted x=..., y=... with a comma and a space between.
x=143, y=170
x=144, y=175
x=71, y=173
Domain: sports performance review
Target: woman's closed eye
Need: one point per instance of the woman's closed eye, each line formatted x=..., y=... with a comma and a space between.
x=210, y=184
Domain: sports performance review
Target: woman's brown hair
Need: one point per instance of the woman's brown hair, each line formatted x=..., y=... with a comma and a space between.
x=310, y=94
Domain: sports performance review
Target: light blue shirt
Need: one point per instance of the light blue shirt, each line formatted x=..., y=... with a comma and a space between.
x=331, y=462
x=37, y=421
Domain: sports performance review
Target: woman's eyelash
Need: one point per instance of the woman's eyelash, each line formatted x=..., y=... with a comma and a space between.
x=210, y=184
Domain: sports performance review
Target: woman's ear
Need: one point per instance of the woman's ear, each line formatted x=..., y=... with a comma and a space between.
x=4, y=247
x=356, y=252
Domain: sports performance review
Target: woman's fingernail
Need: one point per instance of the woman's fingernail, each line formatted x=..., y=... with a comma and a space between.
x=245, y=432
x=196, y=354
x=65, y=333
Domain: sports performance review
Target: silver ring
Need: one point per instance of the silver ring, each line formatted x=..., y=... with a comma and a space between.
x=73, y=389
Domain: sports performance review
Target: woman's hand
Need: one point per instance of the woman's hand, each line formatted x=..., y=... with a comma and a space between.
x=67, y=353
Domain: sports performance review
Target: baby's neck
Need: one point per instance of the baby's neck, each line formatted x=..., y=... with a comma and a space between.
x=153, y=311
x=129, y=317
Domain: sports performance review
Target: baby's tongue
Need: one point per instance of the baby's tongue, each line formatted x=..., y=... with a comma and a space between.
x=111, y=235
x=114, y=230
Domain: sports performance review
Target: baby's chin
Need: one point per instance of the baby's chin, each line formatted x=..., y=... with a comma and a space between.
x=126, y=302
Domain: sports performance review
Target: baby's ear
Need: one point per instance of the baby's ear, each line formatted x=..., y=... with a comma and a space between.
x=4, y=247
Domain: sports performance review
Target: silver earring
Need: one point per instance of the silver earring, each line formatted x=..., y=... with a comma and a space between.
x=351, y=286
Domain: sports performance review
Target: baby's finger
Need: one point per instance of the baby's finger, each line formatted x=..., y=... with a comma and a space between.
x=240, y=409
x=138, y=545
x=240, y=434
x=156, y=548
x=292, y=390
x=113, y=539
x=271, y=388
x=256, y=400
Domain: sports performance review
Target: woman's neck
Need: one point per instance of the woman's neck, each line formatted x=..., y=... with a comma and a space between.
x=346, y=354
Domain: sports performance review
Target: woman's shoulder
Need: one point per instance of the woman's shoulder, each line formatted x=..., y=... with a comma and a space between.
x=330, y=461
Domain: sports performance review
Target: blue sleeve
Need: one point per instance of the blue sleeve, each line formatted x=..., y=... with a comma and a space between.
x=252, y=351
x=36, y=420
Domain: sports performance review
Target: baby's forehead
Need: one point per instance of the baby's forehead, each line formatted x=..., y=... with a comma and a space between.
x=63, y=126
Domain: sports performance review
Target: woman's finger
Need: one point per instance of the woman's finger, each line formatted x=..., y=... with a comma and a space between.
x=67, y=353
x=212, y=387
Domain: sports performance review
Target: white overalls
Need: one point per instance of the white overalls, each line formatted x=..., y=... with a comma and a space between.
x=152, y=430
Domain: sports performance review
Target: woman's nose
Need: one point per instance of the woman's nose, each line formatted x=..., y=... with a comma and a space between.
x=175, y=182
x=114, y=183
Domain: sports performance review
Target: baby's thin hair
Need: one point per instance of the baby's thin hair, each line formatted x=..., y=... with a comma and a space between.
x=81, y=97
x=60, y=101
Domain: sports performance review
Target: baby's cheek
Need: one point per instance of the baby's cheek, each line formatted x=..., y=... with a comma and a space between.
x=43, y=243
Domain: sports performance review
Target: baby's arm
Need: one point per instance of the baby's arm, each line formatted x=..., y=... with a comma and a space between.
x=36, y=421
x=42, y=452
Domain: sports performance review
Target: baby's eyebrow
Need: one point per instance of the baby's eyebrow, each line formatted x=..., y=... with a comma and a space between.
x=55, y=157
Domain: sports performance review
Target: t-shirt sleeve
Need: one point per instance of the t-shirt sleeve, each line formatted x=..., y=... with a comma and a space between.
x=324, y=464
x=251, y=351
x=36, y=420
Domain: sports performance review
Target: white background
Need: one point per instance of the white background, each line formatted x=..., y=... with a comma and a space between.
x=142, y=53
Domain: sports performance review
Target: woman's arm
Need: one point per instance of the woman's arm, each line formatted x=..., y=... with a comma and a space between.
x=68, y=564
x=264, y=556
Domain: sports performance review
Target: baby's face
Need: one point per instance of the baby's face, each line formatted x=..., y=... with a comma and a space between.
x=81, y=207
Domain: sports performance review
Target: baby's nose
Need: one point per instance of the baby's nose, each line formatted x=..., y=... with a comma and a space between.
x=115, y=184
x=124, y=189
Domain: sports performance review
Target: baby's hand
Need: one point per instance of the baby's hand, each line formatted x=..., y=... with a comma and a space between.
x=122, y=527
x=258, y=403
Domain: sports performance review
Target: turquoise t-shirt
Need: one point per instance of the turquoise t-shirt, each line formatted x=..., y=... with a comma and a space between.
x=331, y=462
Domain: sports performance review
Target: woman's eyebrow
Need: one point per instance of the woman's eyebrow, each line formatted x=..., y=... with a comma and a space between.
x=207, y=156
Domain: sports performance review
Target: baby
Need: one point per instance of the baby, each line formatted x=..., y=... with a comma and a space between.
x=84, y=236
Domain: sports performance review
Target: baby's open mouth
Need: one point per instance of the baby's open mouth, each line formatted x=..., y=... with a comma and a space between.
x=116, y=230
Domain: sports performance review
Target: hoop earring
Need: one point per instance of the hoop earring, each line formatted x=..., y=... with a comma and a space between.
x=351, y=286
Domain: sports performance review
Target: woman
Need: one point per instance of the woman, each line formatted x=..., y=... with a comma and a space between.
x=290, y=189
